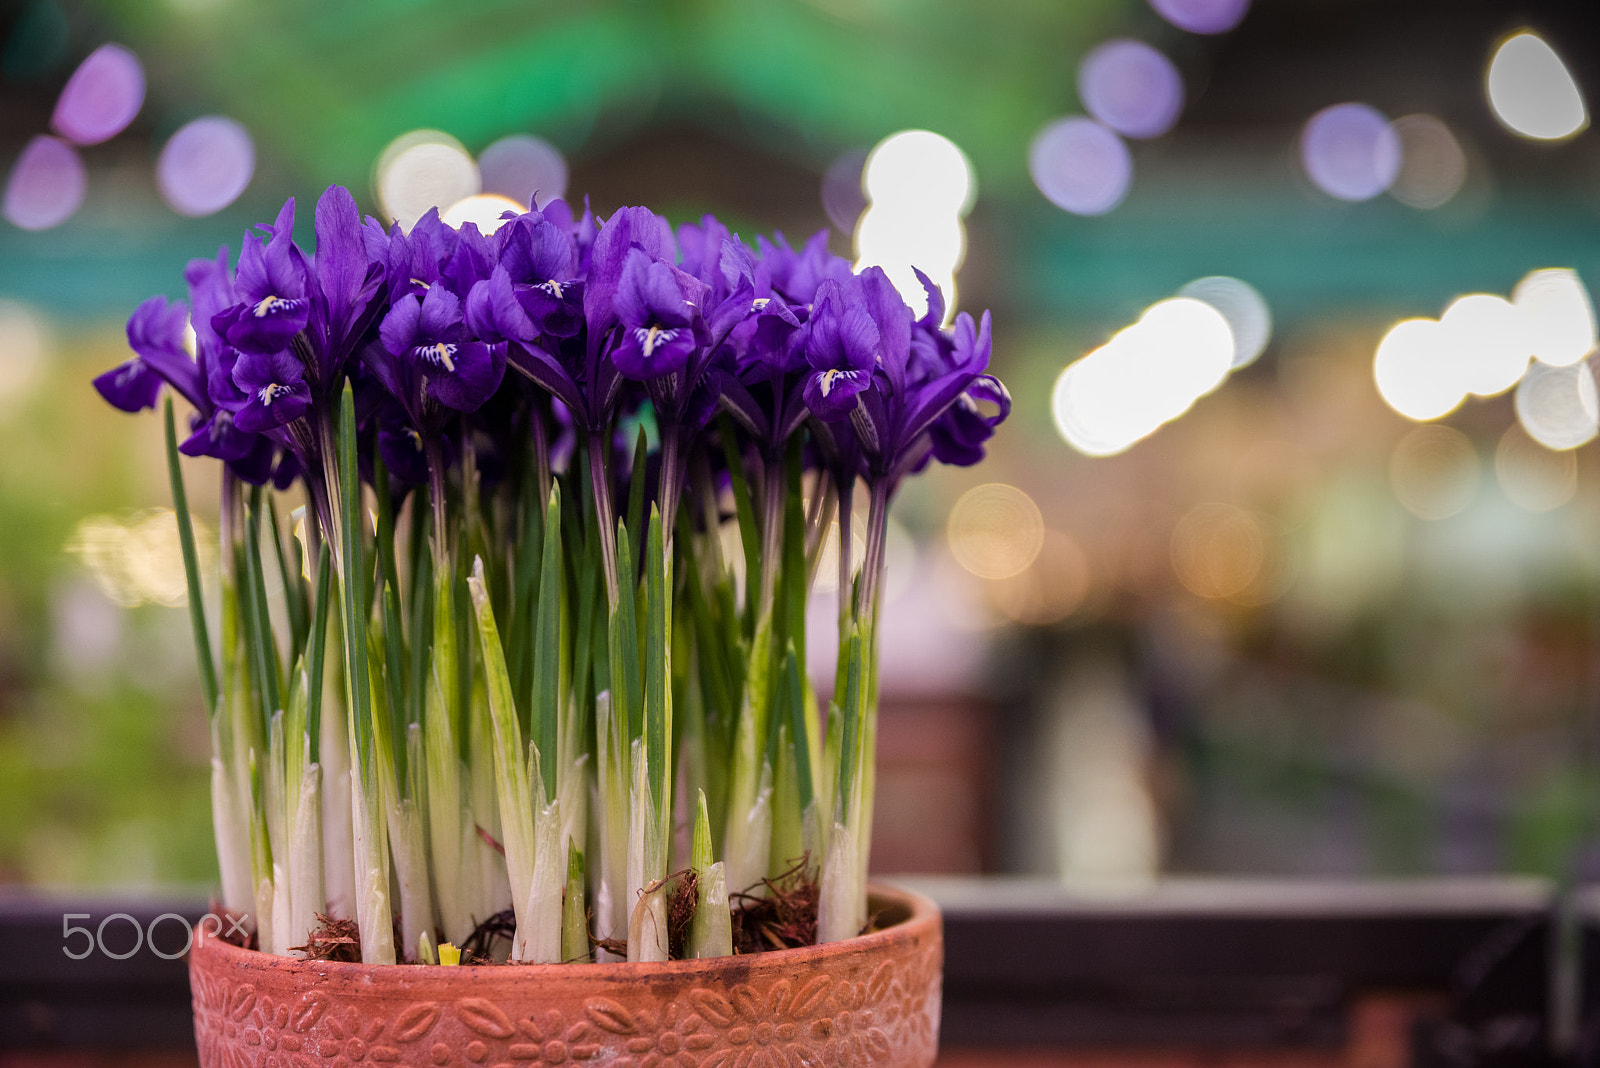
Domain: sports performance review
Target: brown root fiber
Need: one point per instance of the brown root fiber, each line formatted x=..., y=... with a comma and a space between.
x=682, y=899
x=479, y=946
x=784, y=918
x=333, y=939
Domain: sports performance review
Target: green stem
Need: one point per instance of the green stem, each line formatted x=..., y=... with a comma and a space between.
x=191, y=568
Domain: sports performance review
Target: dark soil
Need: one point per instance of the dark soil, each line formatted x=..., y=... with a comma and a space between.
x=785, y=917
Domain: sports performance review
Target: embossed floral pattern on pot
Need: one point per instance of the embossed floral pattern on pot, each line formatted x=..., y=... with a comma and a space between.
x=868, y=1001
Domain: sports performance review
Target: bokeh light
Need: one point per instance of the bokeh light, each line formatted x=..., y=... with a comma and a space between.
x=101, y=98
x=1487, y=343
x=46, y=185
x=1414, y=371
x=1146, y=375
x=1434, y=471
x=1558, y=406
x=919, y=185
x=842, y=196
x=919, y=171
x=22, y=349
x=897, y=242
x=1131, y=87
x=1433, y=166
x=1350, y=151
x=521, y=166
x=995, y=531
x=1080, y=166
x=140, y=559
x=1219, y=550
x=1245, y=310
x=483, y=210
x=1531, y=91
x=205, y=165
x=1050, y=589
x=1557, y=315
x=420, y=170
x=1202, y=16
x=1531, y=476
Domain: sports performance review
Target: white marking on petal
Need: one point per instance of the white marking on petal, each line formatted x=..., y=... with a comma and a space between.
x=439, y=354
x=271, y=392
x=831, y=376
x=651, y=336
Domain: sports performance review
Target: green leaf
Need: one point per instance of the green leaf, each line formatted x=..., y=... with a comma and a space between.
x=393, y=676
x=547, y=681
x=583, y=636
x=658, y=666
x=264, y=649
x=700, y=856
x=422, y=630
x=744, y=508
x=849, y=757
x=191, y=569
x=294, y=587
x=793, y=684
x=636, y=490
x=627, y=697
x=352, y=578
x=318, y=656
x=795, y=579
x=574, y=917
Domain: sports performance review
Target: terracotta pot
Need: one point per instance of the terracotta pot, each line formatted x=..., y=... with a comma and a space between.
x=871, y=1000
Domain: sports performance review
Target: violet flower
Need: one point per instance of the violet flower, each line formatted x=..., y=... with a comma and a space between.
x=273, y=284
x=843, y=346
x=658, y=307
x=275, y=390
x=428, y=361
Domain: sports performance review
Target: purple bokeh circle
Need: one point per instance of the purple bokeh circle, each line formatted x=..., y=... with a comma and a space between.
x=1080, y=166
x=46, y=185
x=101, y=98
x=1131, y=87
x=1202, y=16
x=1350, y=151
x=205, y=165
x=521, y=166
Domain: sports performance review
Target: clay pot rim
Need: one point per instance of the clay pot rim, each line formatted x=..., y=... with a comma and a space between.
x=921, y=918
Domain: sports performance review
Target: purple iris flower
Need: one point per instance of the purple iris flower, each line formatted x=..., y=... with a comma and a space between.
x=626, y=230
x=659, y=309
x=796, y=275
x=843, y=346
x=414, y=260
x=428, y=360
x=958, y=436
x=471, y=259
x=273, y=284
x=155, y=333
x=539, y=259
x=344, y=303
x=214, y=432
x=275, y=390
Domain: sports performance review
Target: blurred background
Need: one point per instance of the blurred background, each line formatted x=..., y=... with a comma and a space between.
x=1288, y=561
